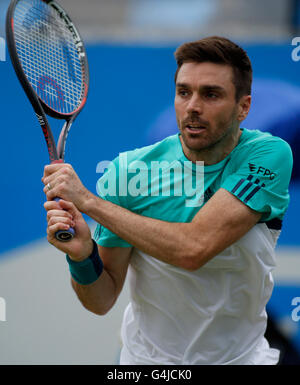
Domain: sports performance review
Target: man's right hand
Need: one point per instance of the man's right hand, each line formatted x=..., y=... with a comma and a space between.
x=62, y=215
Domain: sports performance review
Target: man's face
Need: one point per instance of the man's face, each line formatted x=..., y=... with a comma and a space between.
x=205, y=105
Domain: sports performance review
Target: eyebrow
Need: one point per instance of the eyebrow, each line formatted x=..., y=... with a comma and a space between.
x=207, y=87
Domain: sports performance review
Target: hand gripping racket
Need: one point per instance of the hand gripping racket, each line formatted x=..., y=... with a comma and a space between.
x=50, y=60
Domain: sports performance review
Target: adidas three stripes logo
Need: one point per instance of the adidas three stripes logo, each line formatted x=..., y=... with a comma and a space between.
x=247, y=186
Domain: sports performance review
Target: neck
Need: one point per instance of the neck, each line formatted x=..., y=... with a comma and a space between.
x=215, y=153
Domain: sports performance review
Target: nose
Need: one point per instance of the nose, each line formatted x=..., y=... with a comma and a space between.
x=195, y=105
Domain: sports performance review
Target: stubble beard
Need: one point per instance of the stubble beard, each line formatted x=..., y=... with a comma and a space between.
x=208, y=143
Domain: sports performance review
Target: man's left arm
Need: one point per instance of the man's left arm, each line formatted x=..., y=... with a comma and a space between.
x=218, y=224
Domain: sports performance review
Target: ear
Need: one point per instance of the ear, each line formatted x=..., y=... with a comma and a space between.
x=243, y=107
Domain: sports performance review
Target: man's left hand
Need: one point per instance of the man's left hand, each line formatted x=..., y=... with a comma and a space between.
x=61, y=181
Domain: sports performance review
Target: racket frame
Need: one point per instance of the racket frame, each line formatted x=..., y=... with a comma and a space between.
x=56, y=152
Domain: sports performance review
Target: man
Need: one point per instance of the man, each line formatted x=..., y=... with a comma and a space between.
x=199, y=273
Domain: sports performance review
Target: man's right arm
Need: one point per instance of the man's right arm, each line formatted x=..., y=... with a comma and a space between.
x=100, y=296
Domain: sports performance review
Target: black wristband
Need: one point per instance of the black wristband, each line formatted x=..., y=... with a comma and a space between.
x=89, y=270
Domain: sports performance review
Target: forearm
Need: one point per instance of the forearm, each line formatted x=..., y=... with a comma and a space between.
x=173, y=243
x=99, y=272
x=99, y=296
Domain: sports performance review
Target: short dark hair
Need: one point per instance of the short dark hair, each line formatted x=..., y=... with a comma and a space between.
x=219, y=50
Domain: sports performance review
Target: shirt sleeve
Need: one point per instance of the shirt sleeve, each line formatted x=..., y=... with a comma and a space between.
x=260, y=177
x=108, y=189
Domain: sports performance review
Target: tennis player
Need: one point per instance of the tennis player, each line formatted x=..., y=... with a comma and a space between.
x=200, y=270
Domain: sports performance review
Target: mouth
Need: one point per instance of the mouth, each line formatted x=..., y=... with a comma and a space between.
x=195, y=128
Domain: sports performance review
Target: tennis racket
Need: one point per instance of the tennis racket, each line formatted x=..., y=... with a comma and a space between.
x=50, y=60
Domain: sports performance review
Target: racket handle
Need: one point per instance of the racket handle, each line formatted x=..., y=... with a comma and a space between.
x=64, y=235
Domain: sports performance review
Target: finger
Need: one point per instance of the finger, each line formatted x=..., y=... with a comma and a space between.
x=47, y=188
x=49, y=170
x=51, y=193
x=48, y=179
x=54, y=191
x=66, y=220
x=53, y=229
x=52, y=168
x=70, y=207
x=58, y=213
x=57, y=192
x=52, y=205
x=57, y=177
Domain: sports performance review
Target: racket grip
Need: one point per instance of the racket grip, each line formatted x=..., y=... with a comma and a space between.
x=64, y=235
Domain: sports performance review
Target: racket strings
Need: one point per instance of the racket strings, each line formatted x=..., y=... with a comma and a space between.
x=43, y=28
x=49, y=55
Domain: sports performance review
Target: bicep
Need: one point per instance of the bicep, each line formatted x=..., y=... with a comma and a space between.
x=116, y=261
x=222, y=221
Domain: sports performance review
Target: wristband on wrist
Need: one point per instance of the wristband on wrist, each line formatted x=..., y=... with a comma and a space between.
x=87, y=271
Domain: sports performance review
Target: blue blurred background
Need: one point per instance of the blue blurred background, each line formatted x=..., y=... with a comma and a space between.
x=130, y=46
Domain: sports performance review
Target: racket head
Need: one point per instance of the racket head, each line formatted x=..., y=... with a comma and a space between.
x=49, y=57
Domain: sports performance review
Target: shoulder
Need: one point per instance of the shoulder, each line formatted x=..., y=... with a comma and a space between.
x=256, y=144
x=259, y=173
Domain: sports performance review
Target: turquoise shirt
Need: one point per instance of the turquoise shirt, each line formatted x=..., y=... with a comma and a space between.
x=158, y=181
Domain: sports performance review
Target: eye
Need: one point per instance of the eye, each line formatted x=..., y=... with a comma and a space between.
x=211, y=95
x=182, y=92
